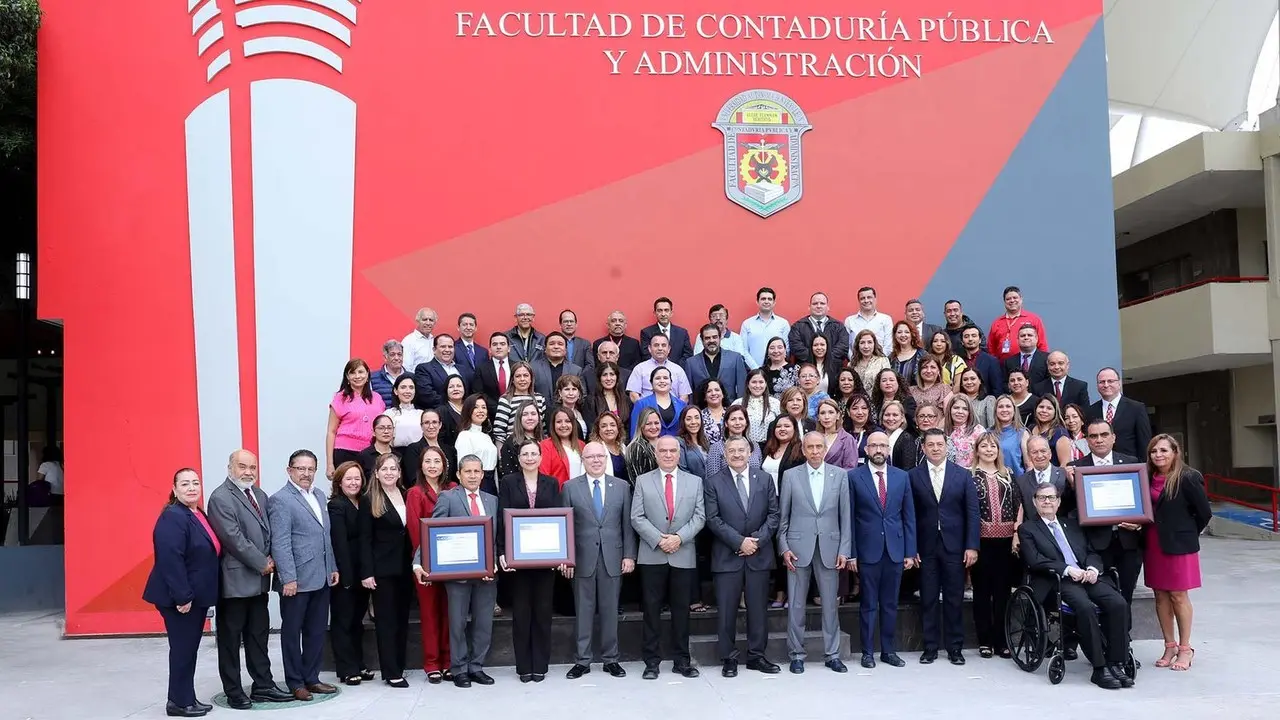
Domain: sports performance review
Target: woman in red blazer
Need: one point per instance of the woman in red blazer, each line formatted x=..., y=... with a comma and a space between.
x=433, y=608
x=562, y=452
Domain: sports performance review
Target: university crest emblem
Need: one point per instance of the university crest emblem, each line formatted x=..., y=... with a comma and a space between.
x=763, y=171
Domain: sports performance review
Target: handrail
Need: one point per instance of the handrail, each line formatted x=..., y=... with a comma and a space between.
x=1196, y=284
x=1274, y=509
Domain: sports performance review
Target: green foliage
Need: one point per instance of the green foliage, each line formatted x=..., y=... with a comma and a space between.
x=19, y=20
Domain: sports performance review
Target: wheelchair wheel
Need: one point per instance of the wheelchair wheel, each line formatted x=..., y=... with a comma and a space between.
x=1130, y=666
x=1057, y=669
x=1026, y=630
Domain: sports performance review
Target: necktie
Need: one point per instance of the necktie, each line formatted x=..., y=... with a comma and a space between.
x=938, y=480
x=742, y=489
x=597, y=496
x=671, y=498
x=471, y=353
x=1057, y=390
x=1026, y=363
x=248, y=492
x=884, y=490
x=1111, y=412
x=1067, y=553
x=502, y=378
x=475, y=506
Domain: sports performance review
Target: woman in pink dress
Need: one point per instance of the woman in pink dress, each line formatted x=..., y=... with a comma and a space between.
x=1172, y=554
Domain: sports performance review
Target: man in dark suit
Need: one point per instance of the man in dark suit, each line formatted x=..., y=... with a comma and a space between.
x=1042, y=471
x=526, y=341
x=629, y=353
x=681, y=346
x=914, y=312
x=1128, y=417
x=884, y=544
x=552, y=366
x=492, y=377
x=605, y=548
x=986, y=364
x=430, y=378
x=238, y=515
x=468, y=352
x=742, y=514
x=818, y=323
x=726, y=366
x=946, y=505
x=1052, y=545
x=306, y=569
x=1068, y=390
x=1031, y=360
x=577, y=350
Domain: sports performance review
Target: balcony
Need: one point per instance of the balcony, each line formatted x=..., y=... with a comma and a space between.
x=1214, y=324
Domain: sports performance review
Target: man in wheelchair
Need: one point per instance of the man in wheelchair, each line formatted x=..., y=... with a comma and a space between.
x=1053, y=548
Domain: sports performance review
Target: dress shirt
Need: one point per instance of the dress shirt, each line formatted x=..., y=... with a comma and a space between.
x=468, y=349
x=312, y=502
x=639, y=380
x=604, y=486
x=675, y=481
x=1112, y=405
x=817, y=480
x=450, y=369
x=937, y=474
x=418, y=348
x=730, y=341
x=1042, y=476
x=1108, y=460
x=757, y=332
x=505, y=364
x=745, y=474
x=479, y=502
x=880, y=324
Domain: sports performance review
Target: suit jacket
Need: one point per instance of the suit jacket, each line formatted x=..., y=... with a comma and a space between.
x=186, y=563
x=804, y=529
x=903, y=454
x=486, y=381
x=460, y=356
x=649, y=517
x=1039, y=370
x=454, y=503
x=732, y=375
x=344, y=536
x=384, y=541
x=1044, y=559
x=681, y=346
x=246, y=539
x=1099, y=536
x=511, y=494
x=1073, y=391
x=1130, y=423
x=536, y=346
x=731, y=523
x=1179, y=520
x=542, y=382
x=989, y=370
x=300, y=542
x=946, y=525
x=882, y=533
x=629, y=354
x=430, y=379
x=927, y=329
x=581, y=354
x=803, y=332
x=601, y=544
x=1027, y=483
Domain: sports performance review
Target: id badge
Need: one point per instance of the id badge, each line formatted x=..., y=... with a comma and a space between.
x=1005, y=347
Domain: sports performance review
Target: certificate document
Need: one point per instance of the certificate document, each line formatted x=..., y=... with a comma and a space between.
x=1111, y=495
x=539, y=538
x=456, y=548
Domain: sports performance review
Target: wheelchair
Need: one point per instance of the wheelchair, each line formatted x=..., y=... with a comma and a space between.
x=1036, y=632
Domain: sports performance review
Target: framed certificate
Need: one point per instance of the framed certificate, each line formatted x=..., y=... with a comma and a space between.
x=457, y=548
x=541, y=538
x=1113, y=494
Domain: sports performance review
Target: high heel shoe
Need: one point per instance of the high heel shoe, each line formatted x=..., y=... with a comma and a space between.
x=1170, y=654
x=1178, y=664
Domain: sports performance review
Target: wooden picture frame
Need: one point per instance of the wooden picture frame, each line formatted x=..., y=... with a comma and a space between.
x=561, y=518
x=1102, y=497
x=434, y=529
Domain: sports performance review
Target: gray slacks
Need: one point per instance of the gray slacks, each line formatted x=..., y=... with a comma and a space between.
x=467, y=651
x=797, y=593
x=597, y=595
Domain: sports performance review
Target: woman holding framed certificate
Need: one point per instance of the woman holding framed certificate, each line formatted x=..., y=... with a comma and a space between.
x=433, y=603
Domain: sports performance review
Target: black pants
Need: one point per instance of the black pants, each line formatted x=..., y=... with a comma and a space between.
x=1092, y=629
x=243, y=621
x=993, y=577
x=302, y=626
x=531, y=592
x=341, y=456
x=347, y=607
x=1128, y=564
x=943, y=574
x=730, y=587
x=184, y=631
x=659, y=583
x=391, y=622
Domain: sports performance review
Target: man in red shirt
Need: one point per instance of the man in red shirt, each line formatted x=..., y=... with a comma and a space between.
x=1002, y=340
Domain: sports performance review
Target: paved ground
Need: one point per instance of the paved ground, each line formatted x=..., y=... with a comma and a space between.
x=1235, y=673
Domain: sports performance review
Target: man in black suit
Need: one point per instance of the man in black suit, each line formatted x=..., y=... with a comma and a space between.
x=1032, y=361
x=946, y=504
x=1068, y=390
x=468, y=352
x=681, y=346
x=577, y=350
x=492, y=377
x=915, y=315
x=1052, y=545
x=1128, y=417
x=818, y=323
x=430, y=378
x=742, y=514
x=629, y=354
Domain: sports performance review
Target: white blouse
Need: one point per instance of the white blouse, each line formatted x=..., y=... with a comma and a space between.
x=473, y=441
x=408, y=425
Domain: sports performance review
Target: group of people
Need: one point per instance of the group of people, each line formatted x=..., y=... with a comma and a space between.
x=783, y=462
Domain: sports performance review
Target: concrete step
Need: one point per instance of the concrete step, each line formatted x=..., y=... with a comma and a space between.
x=704, y=652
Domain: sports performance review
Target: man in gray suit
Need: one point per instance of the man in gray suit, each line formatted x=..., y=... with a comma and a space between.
x=605, y=547
x=667, y=512
x=1042, y=471
x=467, y=598
x=814, y=538
x=742, y=514
x=236, y=511
x=305, y=572
x=552, y=365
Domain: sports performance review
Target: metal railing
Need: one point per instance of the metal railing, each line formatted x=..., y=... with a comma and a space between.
x=1273, y=508
x=1190, y=286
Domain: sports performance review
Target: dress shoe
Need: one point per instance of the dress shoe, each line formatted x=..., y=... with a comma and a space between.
x=322, y=688
x=271, y=694
x=302, y=694
x=204, y=706
x=928, y=656
x=173, y=710
x=730, y=668
x=687, y=671
x=352, y=680
x=239, y=702
x=1102, y=678
x=892, y=659
x=539, y=677
x=398, y=683
x=526, y=677
x=1070, y=654
x=578, y=671
x=764, y=666
x=367, y=675
x=797, y=667
x=614, y=669
x=481, y=678
x=650, y=672
x=1117, y=672
x=836, y=665
x=868, y=661
x=956, y=657
x=461, y=680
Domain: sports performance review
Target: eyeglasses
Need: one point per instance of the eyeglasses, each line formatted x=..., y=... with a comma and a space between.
x=1046, y=498
x=303, y=470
